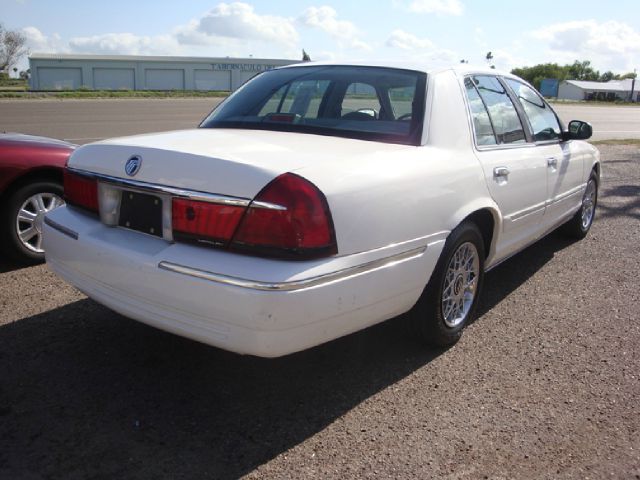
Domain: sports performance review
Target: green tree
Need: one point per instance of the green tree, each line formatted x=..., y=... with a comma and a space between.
x=583, y=71
x=535, y=74
x=578, y=70
x=607, y=76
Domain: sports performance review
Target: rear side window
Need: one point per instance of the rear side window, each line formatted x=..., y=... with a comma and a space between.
x=299, y=98
x=543, y=120
x=504, y=117
x=479, y=115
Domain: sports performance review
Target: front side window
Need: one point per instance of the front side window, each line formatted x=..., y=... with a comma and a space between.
x=369, y=103
x=504, y=117
x=401, y=99
x=543, y=120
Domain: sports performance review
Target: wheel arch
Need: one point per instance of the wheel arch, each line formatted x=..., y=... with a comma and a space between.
x=486, y=216
x=485, y=222
x=48, y=174
x=596, y=168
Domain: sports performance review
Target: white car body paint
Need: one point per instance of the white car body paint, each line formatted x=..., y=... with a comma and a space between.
x=392, y=207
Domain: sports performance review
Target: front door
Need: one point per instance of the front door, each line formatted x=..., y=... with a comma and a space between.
x=564, y=164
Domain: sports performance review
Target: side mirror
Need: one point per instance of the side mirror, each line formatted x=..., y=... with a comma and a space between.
x=578, y=130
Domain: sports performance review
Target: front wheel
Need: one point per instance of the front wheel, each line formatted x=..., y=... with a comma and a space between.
x=581, y=222
x=449, y=300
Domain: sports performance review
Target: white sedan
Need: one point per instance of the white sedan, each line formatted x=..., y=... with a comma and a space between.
x=320, y=199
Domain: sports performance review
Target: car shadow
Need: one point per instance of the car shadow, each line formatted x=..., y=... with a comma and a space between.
x=85, y=392
x=509, y=275
x=7, y=265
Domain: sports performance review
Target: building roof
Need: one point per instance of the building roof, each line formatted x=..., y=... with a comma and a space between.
x=420, y=66
x=142, y=58
x=610, y=86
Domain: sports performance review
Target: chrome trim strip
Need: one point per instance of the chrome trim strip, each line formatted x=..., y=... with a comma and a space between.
x=176, y=192
x=267, y=205
x=567, y=194
x=523, y=213
x=62, y=229
x=427, y=239
x=343, y=274
x=527, y=211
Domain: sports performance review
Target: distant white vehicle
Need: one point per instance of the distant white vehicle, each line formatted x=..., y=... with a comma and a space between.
x=320, y=199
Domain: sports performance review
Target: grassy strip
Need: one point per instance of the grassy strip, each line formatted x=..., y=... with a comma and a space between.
x=113, y=94
x=13, y=82
x=617, y=141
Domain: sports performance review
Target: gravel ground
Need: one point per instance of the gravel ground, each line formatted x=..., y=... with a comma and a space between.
x=545, y=384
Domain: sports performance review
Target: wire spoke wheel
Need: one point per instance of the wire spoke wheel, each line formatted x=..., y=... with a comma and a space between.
x=31, y=217
x=460, y=284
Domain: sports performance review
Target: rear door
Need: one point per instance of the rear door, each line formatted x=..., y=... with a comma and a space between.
x=514, y=170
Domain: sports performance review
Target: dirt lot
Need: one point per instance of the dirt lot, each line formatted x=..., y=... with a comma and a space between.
x=545, y=384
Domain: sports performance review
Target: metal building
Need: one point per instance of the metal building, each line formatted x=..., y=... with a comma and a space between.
x=609, y=91
x=129, y=72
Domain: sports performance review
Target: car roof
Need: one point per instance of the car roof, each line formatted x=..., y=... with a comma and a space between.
x=460, y=69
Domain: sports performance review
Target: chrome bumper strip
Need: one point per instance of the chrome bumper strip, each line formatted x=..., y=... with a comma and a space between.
x=64, y=230
x=177, y=192
x=297, y=284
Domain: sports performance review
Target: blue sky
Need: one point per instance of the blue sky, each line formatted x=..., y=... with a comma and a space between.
x=436, y=31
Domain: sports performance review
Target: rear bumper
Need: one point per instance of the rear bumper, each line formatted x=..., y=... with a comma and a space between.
x=244, y=304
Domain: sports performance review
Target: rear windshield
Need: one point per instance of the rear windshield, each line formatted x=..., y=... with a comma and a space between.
x=368, y=103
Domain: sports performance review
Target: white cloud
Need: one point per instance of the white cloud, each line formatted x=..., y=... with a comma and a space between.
x=237, y=21
x=235, y=28
x=38, y=42
x=408, y=46
x=610, y=43
x=504, y=60
x=125, y=44
x=442, y=7
x=324, y=56
x=407, y=41
x=325, y=18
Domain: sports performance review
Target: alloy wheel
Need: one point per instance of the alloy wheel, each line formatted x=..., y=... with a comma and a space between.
x=460, y=285
x=30, y=219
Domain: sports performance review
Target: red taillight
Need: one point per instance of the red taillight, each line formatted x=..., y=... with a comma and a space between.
x=303, y=228
x=80, y=191
x=204, y=221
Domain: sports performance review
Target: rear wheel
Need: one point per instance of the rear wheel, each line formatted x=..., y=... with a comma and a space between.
x=449, y=300
x=580, y=224
x=22, y=221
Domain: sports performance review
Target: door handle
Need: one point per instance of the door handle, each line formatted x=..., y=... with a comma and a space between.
x=552, y=162
x=500, y=172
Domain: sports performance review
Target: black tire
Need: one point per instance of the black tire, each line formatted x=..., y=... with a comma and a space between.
x=581, y=222
x=10, y=241
x=427, y=318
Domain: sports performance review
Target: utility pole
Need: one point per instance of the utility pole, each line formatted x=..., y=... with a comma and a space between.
x=633, y=83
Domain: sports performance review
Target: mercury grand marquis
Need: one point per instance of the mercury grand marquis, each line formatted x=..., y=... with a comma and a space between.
x=320, y=199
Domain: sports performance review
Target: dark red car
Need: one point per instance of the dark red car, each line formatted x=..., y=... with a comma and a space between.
x=30, y=185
